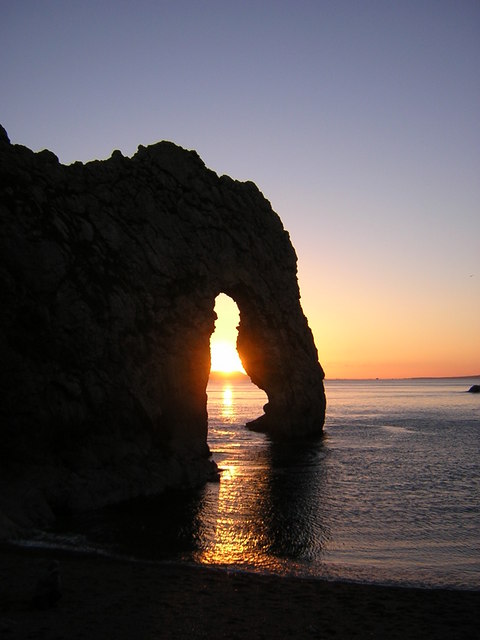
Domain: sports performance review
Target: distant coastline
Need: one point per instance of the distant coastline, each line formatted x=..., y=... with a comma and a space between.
x=444, y=377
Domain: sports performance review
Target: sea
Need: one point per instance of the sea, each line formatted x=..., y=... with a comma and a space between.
x=389, y=494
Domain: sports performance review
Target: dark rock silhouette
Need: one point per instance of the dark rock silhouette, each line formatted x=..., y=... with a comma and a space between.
x=108, y=277
x=475, y=388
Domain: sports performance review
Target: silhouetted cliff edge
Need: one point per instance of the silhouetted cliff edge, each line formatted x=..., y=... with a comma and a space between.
x=108, y=276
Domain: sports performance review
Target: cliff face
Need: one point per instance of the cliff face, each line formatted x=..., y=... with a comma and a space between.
x=108, y=277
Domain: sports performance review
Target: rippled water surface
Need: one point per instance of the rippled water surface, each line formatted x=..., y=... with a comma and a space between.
x=389, y=494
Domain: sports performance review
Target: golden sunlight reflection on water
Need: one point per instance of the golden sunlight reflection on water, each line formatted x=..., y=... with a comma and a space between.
x=227, y=404
x=234, y=539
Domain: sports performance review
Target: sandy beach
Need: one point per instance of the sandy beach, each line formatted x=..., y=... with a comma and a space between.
x=104, y=598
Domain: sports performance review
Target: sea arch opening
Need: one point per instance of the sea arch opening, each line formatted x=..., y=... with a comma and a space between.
x=233, y=401
x=232, y=396
x=223, y=350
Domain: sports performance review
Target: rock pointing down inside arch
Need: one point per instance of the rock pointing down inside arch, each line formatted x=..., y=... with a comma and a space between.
x=108, y=273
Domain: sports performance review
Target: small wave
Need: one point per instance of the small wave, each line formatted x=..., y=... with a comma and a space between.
x=75, y=544
x=392, y=428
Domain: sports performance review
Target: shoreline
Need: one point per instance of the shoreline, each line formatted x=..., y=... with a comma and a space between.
x=114, y=598
x=55, y=550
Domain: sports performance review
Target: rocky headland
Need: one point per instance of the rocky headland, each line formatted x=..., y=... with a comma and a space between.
x=109, y=272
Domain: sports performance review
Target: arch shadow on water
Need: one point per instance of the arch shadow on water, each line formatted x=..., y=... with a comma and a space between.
x=272, y=511
x=269, y=508
x=293, y=504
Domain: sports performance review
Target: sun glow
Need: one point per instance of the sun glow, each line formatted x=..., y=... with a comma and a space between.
x=223, y=350
x=225, y=358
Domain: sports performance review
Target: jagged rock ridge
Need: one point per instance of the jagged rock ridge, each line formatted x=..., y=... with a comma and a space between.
x=108, y=276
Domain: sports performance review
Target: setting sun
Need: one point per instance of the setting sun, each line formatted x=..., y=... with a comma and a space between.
x=225, y=358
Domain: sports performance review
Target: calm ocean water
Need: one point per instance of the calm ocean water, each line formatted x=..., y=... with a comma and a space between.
x=390, y=494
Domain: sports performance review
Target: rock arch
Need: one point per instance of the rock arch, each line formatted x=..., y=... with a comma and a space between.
x=277, y=351
x=109, y=272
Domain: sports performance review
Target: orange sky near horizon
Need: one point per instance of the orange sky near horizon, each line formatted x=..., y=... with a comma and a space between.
x=370, y=344
x=366, y=325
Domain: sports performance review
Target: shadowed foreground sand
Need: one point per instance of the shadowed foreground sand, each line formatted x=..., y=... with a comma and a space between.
x=105, y=599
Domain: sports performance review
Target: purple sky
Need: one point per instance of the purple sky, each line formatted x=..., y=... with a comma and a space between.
x=359, y=121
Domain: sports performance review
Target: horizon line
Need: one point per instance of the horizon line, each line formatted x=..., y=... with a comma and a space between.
x=225, y=374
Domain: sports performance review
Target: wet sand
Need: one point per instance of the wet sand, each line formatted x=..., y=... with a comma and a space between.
x=106, y=599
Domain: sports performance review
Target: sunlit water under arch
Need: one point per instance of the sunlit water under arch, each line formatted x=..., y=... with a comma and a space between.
x=390, y=494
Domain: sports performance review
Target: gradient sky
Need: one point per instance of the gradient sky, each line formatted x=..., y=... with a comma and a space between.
x=358, y=120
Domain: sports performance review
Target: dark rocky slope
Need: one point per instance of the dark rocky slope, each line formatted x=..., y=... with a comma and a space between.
x=108, y=276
